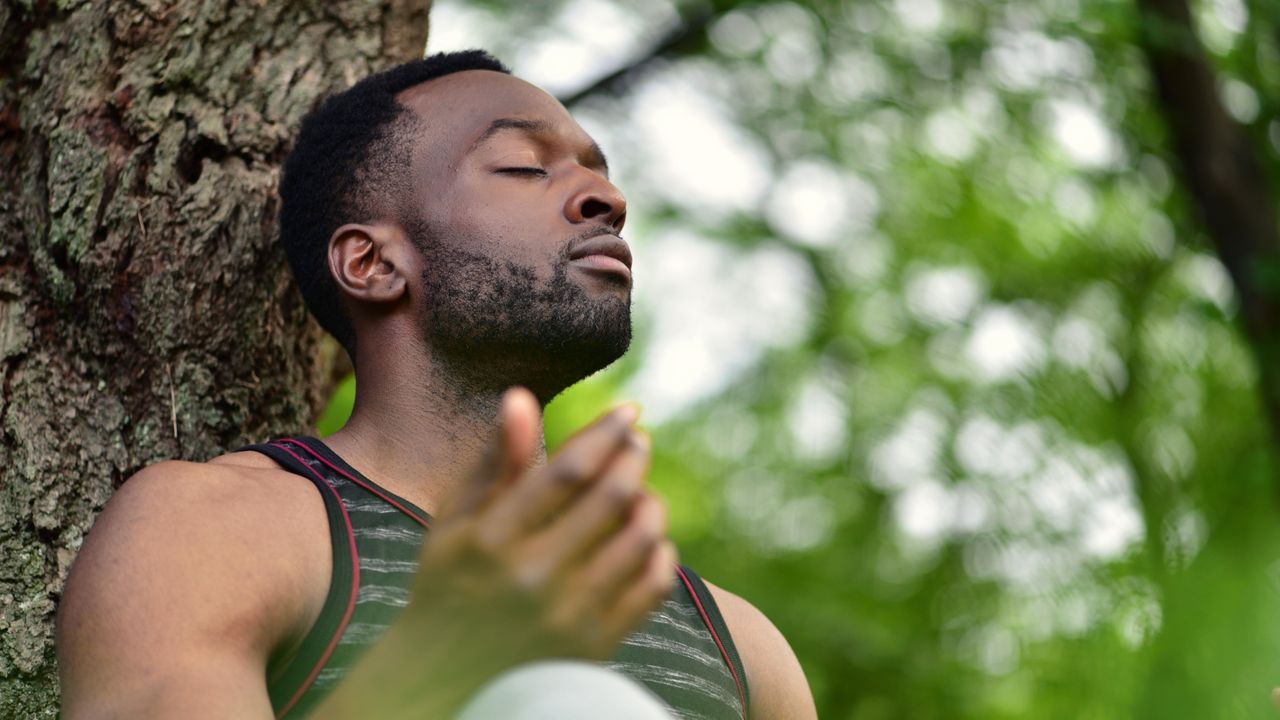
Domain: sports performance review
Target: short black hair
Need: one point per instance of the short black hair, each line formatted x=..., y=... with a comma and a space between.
x=350, y=151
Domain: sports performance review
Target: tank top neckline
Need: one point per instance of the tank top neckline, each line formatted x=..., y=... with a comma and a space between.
x=343, y=467
x=675, y=653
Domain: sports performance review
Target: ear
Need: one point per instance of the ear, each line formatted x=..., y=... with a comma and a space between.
x=368, y=262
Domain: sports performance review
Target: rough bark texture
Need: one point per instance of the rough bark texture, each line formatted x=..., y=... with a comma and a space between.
x=145, y=311
x=1222, y=168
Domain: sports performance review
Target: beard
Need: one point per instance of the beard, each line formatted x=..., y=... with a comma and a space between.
x=492, y=324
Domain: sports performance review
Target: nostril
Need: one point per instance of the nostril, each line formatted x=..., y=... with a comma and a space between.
x=595, y=208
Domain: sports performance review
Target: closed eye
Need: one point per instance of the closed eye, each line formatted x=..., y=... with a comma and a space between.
x=531, y=171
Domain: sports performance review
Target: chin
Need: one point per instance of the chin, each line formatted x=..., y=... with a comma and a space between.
x=494, y=327
x=556, y=373
x=547, y=363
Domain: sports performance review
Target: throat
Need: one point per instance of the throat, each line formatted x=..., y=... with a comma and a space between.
x=420, y=444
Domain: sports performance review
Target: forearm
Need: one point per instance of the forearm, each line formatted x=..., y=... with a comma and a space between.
x=413, y=676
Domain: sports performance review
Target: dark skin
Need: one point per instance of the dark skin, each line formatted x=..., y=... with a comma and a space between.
x=197, y=573
x=406, y=415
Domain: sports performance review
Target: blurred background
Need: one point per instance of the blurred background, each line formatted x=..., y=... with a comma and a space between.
x=943, y=369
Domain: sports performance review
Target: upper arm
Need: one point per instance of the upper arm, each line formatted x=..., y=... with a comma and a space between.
x=168, y=610
x=775, y=679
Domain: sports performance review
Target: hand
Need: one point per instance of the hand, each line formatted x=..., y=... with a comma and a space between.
x=556, y=561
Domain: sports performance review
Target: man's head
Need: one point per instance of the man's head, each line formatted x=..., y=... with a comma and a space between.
x=447, y=190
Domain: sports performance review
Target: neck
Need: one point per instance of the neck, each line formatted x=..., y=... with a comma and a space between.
x=417, y=429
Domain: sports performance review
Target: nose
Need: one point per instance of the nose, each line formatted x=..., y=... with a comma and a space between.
x=598, y=201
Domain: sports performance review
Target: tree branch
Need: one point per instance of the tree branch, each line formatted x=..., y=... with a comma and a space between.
x=686, y=38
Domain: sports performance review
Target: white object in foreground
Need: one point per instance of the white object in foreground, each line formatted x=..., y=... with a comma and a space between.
x=564, y=690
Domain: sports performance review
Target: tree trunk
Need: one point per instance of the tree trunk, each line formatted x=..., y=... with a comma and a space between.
x=145, y=310
x=1223, y=171
x=1215, y=655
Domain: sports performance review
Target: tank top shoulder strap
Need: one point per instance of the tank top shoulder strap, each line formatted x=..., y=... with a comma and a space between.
x=715, y=623
x=290, y=675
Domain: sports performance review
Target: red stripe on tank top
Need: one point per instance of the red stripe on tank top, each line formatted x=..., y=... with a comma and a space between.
x=371, y=488
x=351, y=601
x=742, y=697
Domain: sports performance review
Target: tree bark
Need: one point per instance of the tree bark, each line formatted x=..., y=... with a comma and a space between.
x=146, y=312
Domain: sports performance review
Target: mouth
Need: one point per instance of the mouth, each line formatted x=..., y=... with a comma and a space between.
x=604, y=253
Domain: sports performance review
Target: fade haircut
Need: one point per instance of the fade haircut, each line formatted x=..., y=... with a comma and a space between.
x=351, y=153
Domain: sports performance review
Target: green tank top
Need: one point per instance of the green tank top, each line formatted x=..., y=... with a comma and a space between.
x=683, y=652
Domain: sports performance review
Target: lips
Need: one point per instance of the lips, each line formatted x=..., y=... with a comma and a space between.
x=610, y=246
x=605, y=253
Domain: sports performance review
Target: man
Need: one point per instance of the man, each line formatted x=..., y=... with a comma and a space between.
x=456, y=230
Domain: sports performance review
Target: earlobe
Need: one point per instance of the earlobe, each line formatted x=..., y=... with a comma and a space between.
x=364, y=262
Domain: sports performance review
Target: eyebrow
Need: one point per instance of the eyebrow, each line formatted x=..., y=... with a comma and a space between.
x=534, y=127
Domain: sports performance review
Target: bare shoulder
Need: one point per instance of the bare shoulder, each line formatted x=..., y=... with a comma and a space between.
x=190, y=566
x=226, y=507
x=776, y=681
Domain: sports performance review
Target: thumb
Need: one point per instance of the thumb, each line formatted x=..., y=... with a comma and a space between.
x=508, y=451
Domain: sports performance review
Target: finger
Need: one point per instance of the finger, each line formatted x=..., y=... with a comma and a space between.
x=644, y=593
x=1275, y=698
x=600, y=510
x=521, y=423
x=508, y=452
x=539, y=495
x=624, y=554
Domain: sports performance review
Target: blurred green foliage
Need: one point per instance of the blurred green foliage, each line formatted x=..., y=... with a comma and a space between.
x=1007, y=460
x=338, y=411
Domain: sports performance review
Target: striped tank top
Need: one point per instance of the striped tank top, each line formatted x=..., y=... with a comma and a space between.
x=682, y=652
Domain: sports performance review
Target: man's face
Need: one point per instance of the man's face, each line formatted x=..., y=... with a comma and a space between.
x=524, y=278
